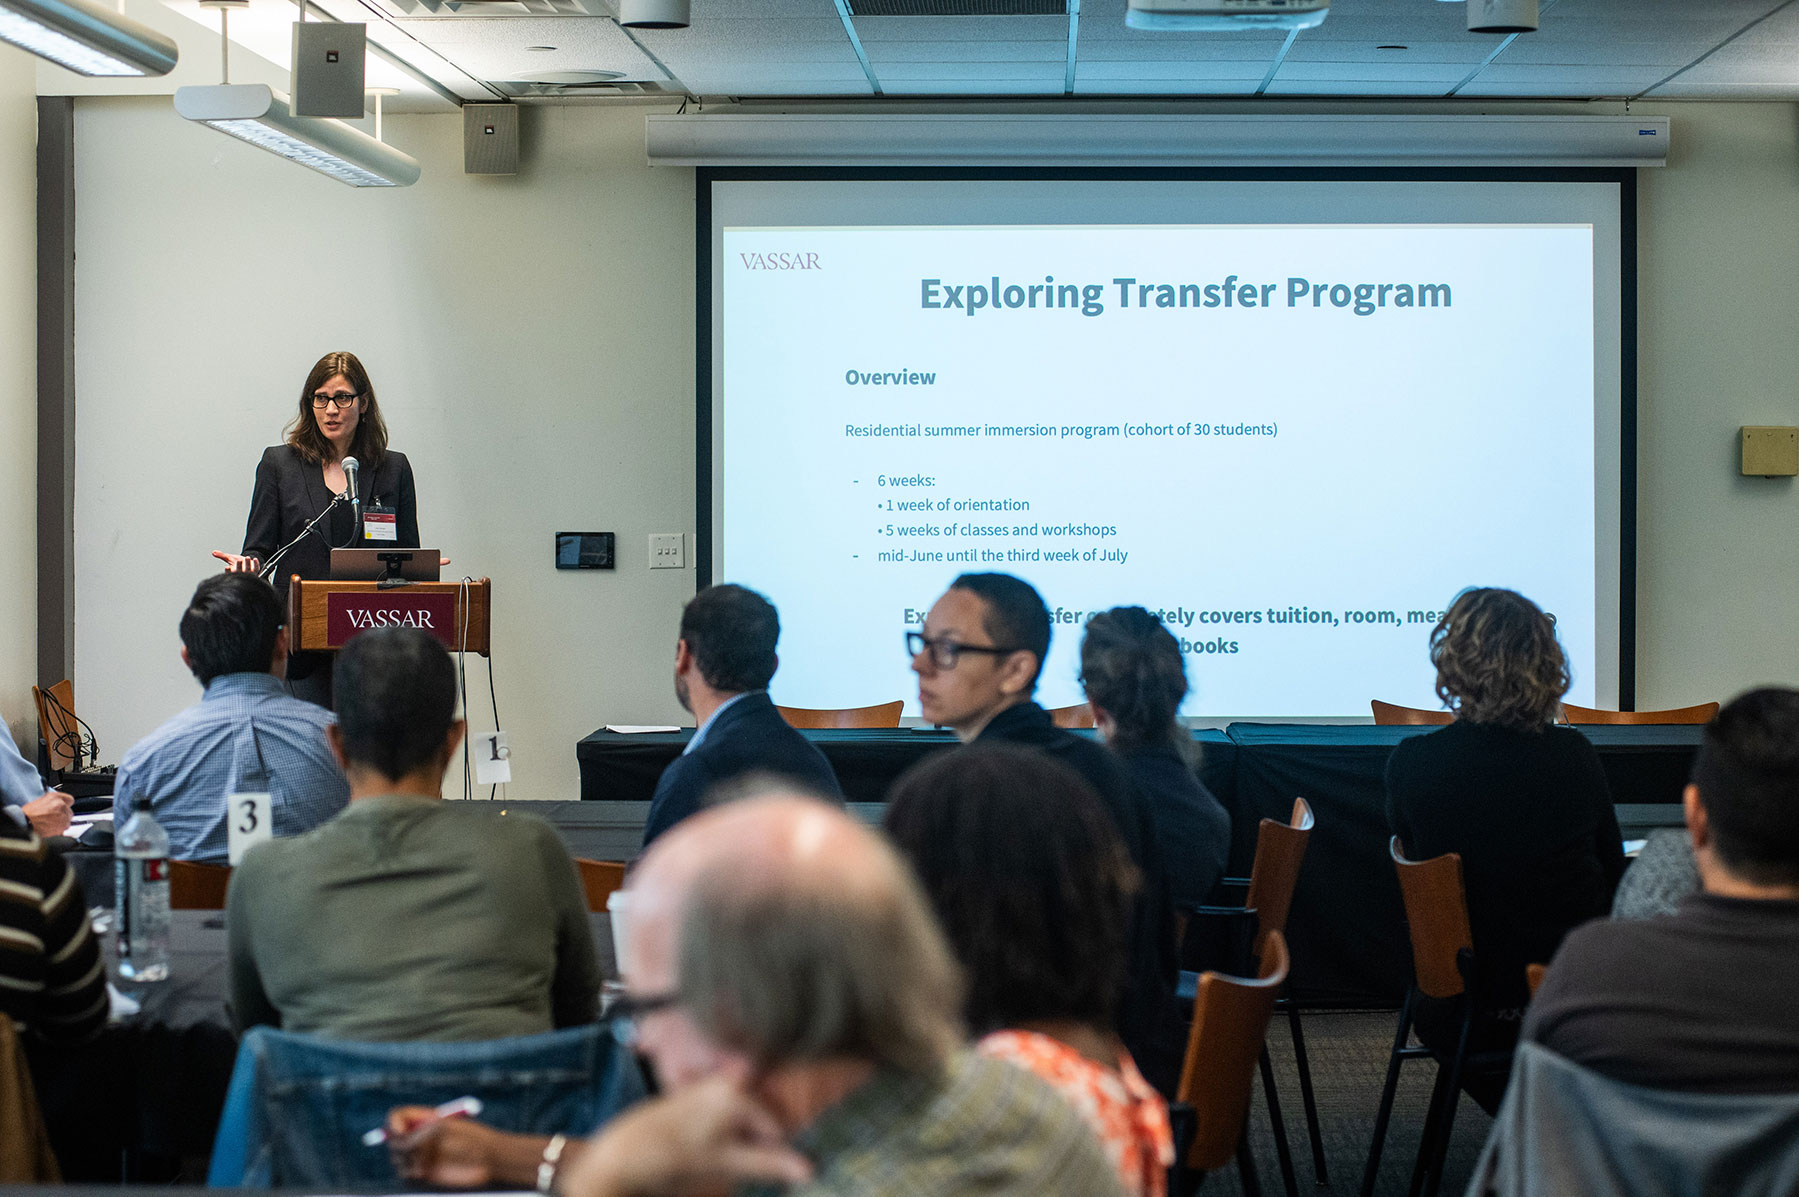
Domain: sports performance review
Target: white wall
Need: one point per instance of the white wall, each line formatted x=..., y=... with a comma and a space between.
x=18, y=393
x=532, y=343
x=1719, y=277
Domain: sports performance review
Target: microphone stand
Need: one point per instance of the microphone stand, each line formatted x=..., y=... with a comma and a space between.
x=269, y=565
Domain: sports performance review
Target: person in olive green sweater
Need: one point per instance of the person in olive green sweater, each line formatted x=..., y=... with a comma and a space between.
x=405, y=917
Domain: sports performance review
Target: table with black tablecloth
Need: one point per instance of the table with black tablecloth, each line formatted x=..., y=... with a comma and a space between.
x=1346, y=929
x=153, y=1084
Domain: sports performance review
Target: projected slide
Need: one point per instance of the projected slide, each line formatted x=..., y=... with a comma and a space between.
x=1295, y=442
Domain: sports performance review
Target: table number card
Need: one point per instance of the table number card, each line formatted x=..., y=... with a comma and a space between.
x=248, y=820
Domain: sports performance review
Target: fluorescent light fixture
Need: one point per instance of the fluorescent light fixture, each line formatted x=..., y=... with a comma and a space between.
x=85, y=37
x=260, y=116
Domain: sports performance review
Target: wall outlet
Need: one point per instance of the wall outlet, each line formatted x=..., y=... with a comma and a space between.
x=668, y=550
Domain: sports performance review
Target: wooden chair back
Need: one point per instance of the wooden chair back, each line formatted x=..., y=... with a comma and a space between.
x=1436, y=911
x=882, y=714
x=1280, y=850
x=1224, y=1043
x=25, y=1154
x=1080, y=715
x=56, y=723
x=1702, y=713
x=1387, y=714
x=600, y=879
x=1533, y=976
x=195, y=886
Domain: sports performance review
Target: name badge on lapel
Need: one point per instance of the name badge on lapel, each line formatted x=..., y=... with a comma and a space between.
x=380, y=523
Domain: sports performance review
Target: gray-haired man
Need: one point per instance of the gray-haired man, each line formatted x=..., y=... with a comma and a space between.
x=781, y=949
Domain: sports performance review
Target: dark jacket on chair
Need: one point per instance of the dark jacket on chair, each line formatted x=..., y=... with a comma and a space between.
x=748, y=736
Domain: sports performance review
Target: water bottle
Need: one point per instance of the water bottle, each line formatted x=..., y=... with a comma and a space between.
x=141, y=881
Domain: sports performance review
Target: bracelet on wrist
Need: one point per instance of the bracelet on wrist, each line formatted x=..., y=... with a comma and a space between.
x=552, y=1155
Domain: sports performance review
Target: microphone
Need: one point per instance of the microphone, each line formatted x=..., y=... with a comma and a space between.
x=351, y=466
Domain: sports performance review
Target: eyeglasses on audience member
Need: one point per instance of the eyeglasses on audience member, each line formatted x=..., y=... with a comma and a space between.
x=944, y=653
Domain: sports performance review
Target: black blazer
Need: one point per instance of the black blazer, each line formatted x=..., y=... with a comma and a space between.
x=290, y=492
x=749, y=736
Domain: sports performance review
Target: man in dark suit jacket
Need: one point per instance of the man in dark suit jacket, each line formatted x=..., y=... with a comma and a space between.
x=724, y=661
x=977, y=661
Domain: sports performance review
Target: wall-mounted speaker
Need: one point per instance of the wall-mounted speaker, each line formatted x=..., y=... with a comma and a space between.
x=328, y=68
x=490, y=139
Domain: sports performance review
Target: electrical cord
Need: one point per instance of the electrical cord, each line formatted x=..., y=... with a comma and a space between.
x=71, y=735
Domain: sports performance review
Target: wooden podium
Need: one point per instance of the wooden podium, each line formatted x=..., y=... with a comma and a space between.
x=323, y=614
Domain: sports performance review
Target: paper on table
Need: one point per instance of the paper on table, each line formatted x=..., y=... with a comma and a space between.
x=80, y=825
x=635, y=729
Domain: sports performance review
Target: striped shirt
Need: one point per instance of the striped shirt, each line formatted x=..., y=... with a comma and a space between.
x=246, y=735
x=51, y=975
x=987, y=1128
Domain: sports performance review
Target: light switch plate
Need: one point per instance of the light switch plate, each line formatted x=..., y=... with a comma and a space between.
x=1770, y=452
x=668, y=550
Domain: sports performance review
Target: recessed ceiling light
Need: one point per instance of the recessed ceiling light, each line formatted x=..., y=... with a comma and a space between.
x=540, y=49
x=1389, y=47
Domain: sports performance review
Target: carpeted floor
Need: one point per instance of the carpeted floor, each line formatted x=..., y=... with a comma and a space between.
x=1348, y=1052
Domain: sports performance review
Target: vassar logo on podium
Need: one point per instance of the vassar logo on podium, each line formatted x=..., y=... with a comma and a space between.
x=346, y=614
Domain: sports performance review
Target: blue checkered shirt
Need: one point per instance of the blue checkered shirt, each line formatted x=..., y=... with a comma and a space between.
x=246, y=735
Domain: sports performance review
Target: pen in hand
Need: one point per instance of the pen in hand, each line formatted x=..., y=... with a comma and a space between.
x=462, y=1107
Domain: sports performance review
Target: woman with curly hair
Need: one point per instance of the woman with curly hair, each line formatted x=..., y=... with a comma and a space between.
x=1524, y=802
x=1033, y=886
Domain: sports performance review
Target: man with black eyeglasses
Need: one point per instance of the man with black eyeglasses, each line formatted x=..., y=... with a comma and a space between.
x=977, y=660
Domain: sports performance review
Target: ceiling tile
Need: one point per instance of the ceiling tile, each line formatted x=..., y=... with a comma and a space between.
x=954, y=51
x=968, y=30
x=972, y=87
x=895, y=71
x=1165, y=87
x=1192, y=71
x=1364, y=87
x=1420, y=72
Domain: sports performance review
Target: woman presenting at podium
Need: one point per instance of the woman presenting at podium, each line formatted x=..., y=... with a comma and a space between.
x=304, y=478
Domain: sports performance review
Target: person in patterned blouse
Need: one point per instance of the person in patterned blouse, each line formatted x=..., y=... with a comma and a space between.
x=1033, y=887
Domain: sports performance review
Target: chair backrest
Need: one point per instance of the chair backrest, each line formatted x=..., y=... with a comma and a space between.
x=600, y=879
x=1565, y=1129
x=1079, y=715
x=1280, y=850
x=882, y=714
x=1533, y=976
x=56, y=724
x=25, y=1154
x=1387, y=714
x=1230, y=1020
x=298, y=1106
x=1436, y=911
x=195, y=886
x=1702, y=713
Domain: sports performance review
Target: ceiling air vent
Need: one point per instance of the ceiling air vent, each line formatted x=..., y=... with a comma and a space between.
x=597, y=85
x=497, y=8
x=958, y=8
